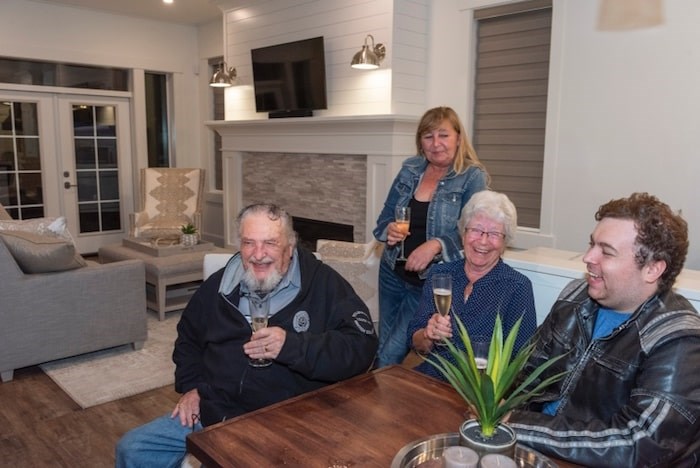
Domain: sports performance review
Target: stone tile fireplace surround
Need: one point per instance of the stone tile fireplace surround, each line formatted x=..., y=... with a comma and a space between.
x=337, y=169
x=322, y=187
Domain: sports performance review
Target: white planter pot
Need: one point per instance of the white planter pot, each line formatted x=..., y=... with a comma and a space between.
x=503, y=440
x=188, y=240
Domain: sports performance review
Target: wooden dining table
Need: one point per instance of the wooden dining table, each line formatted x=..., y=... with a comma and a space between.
x=361, y=422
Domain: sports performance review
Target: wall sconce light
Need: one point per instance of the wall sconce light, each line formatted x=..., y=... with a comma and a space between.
x=369, y=58
x=223, y=77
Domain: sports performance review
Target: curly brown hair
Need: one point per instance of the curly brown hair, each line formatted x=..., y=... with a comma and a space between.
x=661, y=233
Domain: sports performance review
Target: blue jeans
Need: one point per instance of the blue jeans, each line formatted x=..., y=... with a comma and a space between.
x=159, y=443
x=398, y=302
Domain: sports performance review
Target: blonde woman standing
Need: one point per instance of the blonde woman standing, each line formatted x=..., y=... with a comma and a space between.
x=435, y=184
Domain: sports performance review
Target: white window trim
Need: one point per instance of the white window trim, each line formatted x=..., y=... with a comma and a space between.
x=526, y=238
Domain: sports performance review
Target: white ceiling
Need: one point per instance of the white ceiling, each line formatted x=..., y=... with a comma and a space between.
x=192, y=12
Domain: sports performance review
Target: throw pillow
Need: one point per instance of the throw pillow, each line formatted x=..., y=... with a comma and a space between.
x=45, y=226
x=37, y=253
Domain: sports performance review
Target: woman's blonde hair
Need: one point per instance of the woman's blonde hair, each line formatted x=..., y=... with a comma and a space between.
x=466, y=155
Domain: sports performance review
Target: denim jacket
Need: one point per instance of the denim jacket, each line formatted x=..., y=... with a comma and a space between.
x=452, y=193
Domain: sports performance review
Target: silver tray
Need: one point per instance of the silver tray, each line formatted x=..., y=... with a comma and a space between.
x=145, y=246
x=427, y=453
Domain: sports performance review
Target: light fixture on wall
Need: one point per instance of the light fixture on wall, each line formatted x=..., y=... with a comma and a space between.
x=223, y=77
x=369, y=58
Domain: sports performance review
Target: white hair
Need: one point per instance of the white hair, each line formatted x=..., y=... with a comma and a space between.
x=494, y=205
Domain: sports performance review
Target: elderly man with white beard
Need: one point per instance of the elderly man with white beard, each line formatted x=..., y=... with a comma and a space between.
x=319, y=332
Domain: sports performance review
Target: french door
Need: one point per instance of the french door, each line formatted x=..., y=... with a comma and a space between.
x=96, y=175
x=78, y=164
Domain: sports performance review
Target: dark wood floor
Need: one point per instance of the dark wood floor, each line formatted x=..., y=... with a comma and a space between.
x=40, y=426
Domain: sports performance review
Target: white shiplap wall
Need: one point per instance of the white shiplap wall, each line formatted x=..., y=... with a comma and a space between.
x=410, y=59
x=397, y=87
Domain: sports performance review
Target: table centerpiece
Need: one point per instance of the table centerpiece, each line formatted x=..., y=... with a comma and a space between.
x=491, y=394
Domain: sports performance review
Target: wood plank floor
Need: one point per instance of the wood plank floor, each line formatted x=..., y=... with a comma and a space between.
x=40, y=426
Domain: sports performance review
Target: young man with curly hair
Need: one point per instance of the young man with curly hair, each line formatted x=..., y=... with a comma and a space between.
x=631, y=396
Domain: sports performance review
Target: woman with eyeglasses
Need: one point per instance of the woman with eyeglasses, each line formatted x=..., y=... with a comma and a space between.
x=482, y=284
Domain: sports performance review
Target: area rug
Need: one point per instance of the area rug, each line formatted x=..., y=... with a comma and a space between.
x=95, y=378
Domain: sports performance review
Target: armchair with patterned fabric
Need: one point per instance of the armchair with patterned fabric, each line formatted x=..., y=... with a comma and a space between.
x=169, y=199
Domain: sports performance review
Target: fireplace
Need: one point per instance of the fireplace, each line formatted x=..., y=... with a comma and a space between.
x=311, y=230
x=310, y=166
x=321, y=187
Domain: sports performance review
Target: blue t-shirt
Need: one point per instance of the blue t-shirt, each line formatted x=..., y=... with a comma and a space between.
x=607, y=321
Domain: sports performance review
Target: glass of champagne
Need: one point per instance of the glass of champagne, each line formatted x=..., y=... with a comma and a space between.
x=259, y=311
x=402, y=217
x=480, y=346
x=442, y=295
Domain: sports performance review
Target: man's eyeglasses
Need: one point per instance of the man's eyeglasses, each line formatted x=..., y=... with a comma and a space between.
x=476, y=233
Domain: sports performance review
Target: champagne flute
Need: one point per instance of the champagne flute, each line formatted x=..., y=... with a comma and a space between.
x=259, y=311
x=442, y=295
x=480, y=346
x=403, y=220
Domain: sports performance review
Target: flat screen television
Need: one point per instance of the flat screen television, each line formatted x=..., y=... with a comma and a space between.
x=290, y=79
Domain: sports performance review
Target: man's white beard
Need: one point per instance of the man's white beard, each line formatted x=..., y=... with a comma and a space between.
x=265, y=285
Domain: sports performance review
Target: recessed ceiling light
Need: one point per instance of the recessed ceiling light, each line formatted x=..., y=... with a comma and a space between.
x=167, y=1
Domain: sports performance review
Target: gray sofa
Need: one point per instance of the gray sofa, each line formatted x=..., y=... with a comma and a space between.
x=49, y=316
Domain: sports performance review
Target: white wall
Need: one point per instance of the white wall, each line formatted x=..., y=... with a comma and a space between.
x=399, y=24
x=37, y=30
x=211, y=44
x=411, y=57
x=449, y=75
x=622, y=111
x=628, y=118
x=41, y=31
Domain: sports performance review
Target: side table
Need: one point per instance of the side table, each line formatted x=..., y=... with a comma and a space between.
x=170, y=280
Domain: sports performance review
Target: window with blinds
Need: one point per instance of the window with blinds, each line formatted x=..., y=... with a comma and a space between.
x=512, y=68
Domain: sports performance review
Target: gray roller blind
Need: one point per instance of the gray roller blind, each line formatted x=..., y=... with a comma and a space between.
x=511, y=100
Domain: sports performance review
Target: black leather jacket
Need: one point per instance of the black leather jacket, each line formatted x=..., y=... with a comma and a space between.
x=629, y=399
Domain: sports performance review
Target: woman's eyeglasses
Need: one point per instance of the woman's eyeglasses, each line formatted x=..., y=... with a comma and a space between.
x=476, y=233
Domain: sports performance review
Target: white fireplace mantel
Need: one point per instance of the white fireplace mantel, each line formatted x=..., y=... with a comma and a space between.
x=386, y=140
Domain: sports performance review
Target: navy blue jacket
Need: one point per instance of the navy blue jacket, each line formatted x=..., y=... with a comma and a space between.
x=330, y=337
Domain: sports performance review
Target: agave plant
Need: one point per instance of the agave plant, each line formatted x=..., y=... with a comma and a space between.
x=490, y=394
x=188, y=228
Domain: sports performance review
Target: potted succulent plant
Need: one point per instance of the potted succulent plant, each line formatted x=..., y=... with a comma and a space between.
x=188, y=238
x=491, y=394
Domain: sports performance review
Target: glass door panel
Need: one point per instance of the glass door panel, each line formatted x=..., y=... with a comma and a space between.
x=97, y=169
x=68, y=155
x=21, y=183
